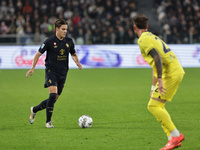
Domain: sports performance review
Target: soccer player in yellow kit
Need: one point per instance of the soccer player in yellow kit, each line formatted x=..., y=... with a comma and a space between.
x=167, y=75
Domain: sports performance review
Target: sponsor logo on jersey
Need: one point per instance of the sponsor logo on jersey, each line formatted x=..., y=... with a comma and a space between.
x=55, y=45
x=62, y=51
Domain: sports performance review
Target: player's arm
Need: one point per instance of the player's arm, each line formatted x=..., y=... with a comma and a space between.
x=35, y=60
x=158, y=63
x=154, y=81
x=75, y=59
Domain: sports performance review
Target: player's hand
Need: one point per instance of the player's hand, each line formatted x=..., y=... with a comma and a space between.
x=79, y=66
x=161, y=88
x=31, y=71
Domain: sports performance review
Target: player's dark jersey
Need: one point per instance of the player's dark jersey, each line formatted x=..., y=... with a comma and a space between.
x=57, y=57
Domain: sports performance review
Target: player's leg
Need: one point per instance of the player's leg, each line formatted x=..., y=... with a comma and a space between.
x=51, y=82
x=40, y=107
x=169, y=136
x=60, y=86
x=50, y=105
x=166, y=132
x=156, y=107
x=35, y=109
x=161, y=114
x=53, y=97
x=163, y=117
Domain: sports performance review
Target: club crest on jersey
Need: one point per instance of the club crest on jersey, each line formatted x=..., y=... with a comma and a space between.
x=55, y=46
x=172, y=57
x=67, y=45
x=62, y=51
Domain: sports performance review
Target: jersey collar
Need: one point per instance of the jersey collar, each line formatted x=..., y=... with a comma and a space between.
x=64, y=39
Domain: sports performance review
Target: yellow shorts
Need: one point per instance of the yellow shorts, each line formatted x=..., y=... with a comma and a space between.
x=171, y=84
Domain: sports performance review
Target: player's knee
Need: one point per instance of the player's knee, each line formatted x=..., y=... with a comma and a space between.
x=57, y=96
x=154, y=105
x=150, y=108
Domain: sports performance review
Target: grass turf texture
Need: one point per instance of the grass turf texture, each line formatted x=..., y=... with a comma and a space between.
x=116, y=99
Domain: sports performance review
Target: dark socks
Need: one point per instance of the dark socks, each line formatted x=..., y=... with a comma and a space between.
x=50, y=105
x=41, y=106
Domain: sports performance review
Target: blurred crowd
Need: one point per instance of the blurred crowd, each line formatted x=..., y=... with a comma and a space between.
x=180, y=20
x=96, y=21
x=90, y=21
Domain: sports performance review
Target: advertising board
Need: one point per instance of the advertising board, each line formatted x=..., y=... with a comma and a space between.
x=96, y=56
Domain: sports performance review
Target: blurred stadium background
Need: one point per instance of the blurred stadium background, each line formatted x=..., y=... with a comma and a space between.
x=29, y=22
x=101, y=29
x=116, y=99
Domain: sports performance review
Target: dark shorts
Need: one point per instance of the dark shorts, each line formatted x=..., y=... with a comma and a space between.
x=52, y=79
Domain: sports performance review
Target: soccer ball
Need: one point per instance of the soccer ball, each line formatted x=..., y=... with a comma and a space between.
x=85, y=121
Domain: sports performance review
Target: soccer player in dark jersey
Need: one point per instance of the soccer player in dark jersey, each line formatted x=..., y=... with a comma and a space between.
x=57, y=50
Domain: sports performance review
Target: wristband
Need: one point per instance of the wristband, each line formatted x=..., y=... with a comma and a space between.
x=153, y=87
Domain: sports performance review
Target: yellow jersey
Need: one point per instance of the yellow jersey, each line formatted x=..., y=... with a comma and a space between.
x=171, y=64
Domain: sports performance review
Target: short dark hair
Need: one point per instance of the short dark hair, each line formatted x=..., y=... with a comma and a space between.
x=140, y=21
x=60, y=22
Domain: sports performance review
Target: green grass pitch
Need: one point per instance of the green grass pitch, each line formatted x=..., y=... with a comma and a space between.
x=116, y=99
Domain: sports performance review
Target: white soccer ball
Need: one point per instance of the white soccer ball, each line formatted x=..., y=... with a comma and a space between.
x=85, y=121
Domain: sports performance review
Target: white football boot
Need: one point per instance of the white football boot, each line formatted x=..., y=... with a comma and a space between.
x=32, y=116
x=49, y=125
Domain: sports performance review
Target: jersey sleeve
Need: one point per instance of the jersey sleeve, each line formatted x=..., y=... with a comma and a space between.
x=146, y=45
x=72, y=49
x=43, y=47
